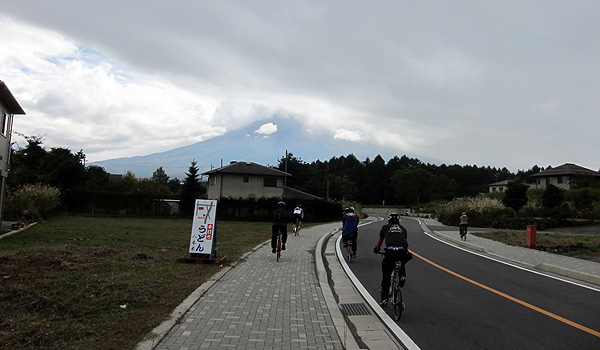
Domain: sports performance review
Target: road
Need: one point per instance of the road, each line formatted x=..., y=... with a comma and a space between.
x=459, y=300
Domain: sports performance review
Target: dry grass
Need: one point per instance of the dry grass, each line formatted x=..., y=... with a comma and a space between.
x=102, y=283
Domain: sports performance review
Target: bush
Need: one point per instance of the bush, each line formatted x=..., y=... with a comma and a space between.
x=32, y=202
x=482, y=211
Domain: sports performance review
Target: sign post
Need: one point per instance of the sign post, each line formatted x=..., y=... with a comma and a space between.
x=203, y=239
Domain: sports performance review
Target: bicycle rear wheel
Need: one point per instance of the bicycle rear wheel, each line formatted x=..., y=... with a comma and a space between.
x=397, y=300
x=349, y=251
x=279, y=247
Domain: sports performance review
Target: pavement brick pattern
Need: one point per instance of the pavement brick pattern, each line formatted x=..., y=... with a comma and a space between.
x=262, y=304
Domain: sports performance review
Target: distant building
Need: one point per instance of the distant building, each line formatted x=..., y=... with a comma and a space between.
x=9, y=107
x=500, y=186
x=245, y=180
x=249, y=180
x=561, y=176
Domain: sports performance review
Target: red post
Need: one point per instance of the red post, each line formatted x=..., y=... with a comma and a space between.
x=531, y=232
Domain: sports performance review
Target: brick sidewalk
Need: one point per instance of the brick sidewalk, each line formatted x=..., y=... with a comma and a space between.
x=262, y=304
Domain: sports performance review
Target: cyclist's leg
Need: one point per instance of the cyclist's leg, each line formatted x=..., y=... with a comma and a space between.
x=284, y=236
x=274, y=234
x=344, y=240
x=353, y=238
x=387, y=267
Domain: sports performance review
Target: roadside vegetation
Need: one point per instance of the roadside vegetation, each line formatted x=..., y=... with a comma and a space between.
x=585, y=247
x=76, y=282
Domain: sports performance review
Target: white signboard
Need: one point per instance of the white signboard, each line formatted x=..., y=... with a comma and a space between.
x=203, y=227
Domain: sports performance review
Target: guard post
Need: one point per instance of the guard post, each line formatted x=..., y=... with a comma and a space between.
x=531, y=236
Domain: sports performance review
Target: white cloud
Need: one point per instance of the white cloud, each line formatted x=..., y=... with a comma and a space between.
x=347, y=135
x=442, y=79
x=267, y=129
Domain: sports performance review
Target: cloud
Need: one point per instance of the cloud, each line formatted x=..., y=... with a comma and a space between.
x=348, y=135
x=267, y=129
x=446, y=80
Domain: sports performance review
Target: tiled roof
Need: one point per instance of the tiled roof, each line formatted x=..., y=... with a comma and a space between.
x=567, y=169
x=247, y=168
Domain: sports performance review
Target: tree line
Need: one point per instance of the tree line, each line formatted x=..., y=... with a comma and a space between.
x=399, y=181
x=90, y=189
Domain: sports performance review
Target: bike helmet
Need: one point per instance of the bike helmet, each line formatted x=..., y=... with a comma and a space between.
x=281, y=204
x=352, y=209
x=393, y=218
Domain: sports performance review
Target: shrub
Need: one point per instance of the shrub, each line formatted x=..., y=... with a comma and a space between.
x=482, y=211
x=32, y=202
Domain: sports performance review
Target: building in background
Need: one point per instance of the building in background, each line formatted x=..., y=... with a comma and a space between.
x=9, y=107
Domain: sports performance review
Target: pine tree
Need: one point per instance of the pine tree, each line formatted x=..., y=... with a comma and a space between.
x=191, y=190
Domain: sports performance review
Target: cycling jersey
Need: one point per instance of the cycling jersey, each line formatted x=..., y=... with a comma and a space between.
x=350, y=223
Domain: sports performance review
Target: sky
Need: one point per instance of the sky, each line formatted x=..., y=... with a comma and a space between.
x=503, y=84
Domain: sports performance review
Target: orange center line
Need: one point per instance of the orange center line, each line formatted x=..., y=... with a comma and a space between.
x=547, y=313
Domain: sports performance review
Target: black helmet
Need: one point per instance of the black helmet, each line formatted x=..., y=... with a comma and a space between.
x=393, y=218
x=281, y=204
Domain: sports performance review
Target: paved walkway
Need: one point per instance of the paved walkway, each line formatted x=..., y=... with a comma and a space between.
x=260, y=304
x=304, y=301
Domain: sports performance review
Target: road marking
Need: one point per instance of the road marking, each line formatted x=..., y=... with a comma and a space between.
x=535, y=308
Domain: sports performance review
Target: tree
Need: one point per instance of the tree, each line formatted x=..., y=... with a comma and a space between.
x=413, y=185
x=552, y=197
x=516, y=195
x=190, y=190
x=160, y=176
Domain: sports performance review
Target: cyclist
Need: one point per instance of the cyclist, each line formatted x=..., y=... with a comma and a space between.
x=463, y=223
x=396, y=249
x=298, y=217
x=280, y=220
x=350, y=229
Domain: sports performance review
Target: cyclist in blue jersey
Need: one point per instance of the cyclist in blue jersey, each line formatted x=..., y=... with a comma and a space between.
x=350, y=222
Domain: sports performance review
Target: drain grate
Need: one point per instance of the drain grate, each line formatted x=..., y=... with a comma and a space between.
x=355, y=309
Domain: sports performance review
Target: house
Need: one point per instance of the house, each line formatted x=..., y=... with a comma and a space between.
x=9, y=107
x=500, y=186
x=249, y=180
x=245, y=180
x=561, y=176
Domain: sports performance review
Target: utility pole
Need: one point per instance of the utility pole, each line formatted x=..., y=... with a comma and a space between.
x=286, y=161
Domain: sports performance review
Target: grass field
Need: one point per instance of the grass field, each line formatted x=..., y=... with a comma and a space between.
x=102, y=283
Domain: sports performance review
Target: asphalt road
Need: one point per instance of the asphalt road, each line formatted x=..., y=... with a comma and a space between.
x=459, y=300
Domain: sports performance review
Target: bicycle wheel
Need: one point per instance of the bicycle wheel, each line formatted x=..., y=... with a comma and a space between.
x=397, y=301
x=279, y=247
x=349, y=251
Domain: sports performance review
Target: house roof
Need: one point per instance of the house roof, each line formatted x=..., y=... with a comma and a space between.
x=247, y=168
x=8, y=100
x=566, y=169
x=291, y=193
x=500, y=183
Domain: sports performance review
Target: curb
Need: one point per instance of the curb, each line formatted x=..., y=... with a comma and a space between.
x=582, y=276
x=341, y=326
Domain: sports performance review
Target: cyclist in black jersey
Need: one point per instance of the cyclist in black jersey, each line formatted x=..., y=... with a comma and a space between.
x=396, y=249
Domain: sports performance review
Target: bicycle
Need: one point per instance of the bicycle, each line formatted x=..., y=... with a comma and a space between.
x=297, y=227
x=395, y=293
x=278, y=245
x=349, y=250
x=463, y=232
